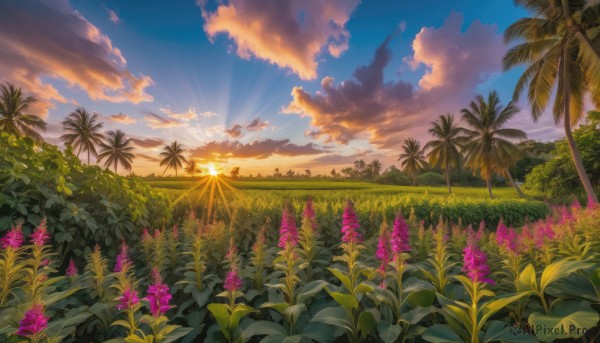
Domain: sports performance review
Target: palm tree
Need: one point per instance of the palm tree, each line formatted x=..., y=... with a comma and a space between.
x=413, y=158
x=192, y=167
x=560, y=46
x=116, y=149
x=487, y=148
x=173, y=157
x=83, y=132
x=13, y=113
x=444, y=151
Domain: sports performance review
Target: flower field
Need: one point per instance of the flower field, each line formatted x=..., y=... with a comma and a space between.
x=409, y=282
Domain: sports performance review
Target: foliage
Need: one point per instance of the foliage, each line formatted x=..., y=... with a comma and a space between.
x=83, y=205
x=557, y=179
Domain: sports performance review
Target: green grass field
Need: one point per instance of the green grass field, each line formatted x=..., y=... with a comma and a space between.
x=327, y=187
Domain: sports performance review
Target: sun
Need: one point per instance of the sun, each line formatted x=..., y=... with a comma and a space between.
x=212, y=171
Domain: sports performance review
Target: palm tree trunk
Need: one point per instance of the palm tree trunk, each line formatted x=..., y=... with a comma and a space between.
x=513, y=183
x=488, y=182
x=163, y=174
x=448, y=180
x=585, y=180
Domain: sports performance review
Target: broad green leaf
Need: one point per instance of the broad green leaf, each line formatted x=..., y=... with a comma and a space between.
x=366, y=323
x=442, y=334
x=528, y=279
x=335, y=316
x=345, y=300
x=569, y=319
x=238, y=313
x=494, y=305
x=559, y=269
x=389, y=333
x=344, y=279
x=310, y=289
x=498, y=331
x=264, y=328
x=221, y=314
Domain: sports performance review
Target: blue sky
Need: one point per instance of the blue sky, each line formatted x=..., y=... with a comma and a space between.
x=200, y=62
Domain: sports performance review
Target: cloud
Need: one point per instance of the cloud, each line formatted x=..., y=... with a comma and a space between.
x=48, y=39
x=368, y=106
x=257, y=149
x=122, y=118
x=208, y=114
x=155, y=121
x=113, y=17
x=147, y=142
x=288, y=33
x=333, y=159
x=188, y=115
x=235, y=131
x=257, y=125
x=148, y=158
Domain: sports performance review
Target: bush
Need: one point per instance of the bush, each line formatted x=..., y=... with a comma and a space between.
x=431, y=179
x=84, y=205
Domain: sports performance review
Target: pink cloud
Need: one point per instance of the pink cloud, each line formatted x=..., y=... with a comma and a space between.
x=113, y=17
x=257, y=125
x=122, y=118
x=49, y=39
x=147, y=142
x=235, y=131
x=259, y=149
x=188, y=115
x=386, y=112
x=287, y=33
x=157, y=122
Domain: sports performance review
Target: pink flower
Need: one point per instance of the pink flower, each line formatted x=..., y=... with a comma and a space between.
x=592, y=204
x=288, y=233
x=146, y=234
x=158, y=295
x=575, y=205
x=122, y=258
x=309, y=213
x=384, y=249
x=40, y=235
x=175, y=233
x=128, y=299
x=481, y=230
x=232, y=281
x=13, y=239
x=232, y=252
x=506, y=238
x=71, y=269
x=549, y=230
x=475, y=264
x=34, y=321
x=400, y=235
x=157, y=233
x=525, y=238
x=350, y=225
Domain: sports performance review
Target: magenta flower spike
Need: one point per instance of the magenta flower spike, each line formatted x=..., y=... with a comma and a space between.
x=34, y=321
x=350, y=225
x=13, y=239
x=501, y=232
x=384, y=249
x=288, y=233
x=158, y=295
x=400, y=235
x=122, y=258
x=40, y=235
x=475, y=264
x=575, y=206
x=175, y=232
x=128, y=299
x=232, y=281
x=592, y=204
x=71, y=269
x=309, y=213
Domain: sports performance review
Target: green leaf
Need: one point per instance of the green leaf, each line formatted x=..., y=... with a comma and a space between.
x=335, y=316
x=441, y=333
x=366, y=323
x=310, y=289
x=345, y=300
x=221, y=314
x=498, y=331
x=389, y=333
x=344, y=279
x=528, y=279
x=559, y=269
x=494, y=305
x=240, y=310
x=569, y=319
x=422, y=298
x=264, y=328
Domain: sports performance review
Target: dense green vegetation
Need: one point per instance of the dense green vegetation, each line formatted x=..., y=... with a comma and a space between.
x=84, y=205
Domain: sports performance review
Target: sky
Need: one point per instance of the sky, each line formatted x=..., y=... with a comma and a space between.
x=261, y=84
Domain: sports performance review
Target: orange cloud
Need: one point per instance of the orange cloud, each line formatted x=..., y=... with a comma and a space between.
x=287, y=33
x=386, y=112
x=157, y=122
x=257, y=125
x=188, y=115
x=122, y=118
x=49, y=39
x=147, y=142
x=258, y=149
x=235, y=131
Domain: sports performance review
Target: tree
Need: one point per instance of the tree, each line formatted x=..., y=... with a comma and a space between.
x=290, y=173
x=307, y=172
x=557, y=178
x=277, y=173
x=348, y=172
x=333, y=173
x=82, y=132
x=192, y=167
x=13, y=113
x=173, y=157
x=445, y=147
x=373, y=169
x=487, y=148
x=117, y=149
x=412, y=158
x=360, y=167
x=235, y=172
x=560, y=46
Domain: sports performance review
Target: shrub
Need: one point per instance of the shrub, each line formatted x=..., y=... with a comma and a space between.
x=84, y=205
